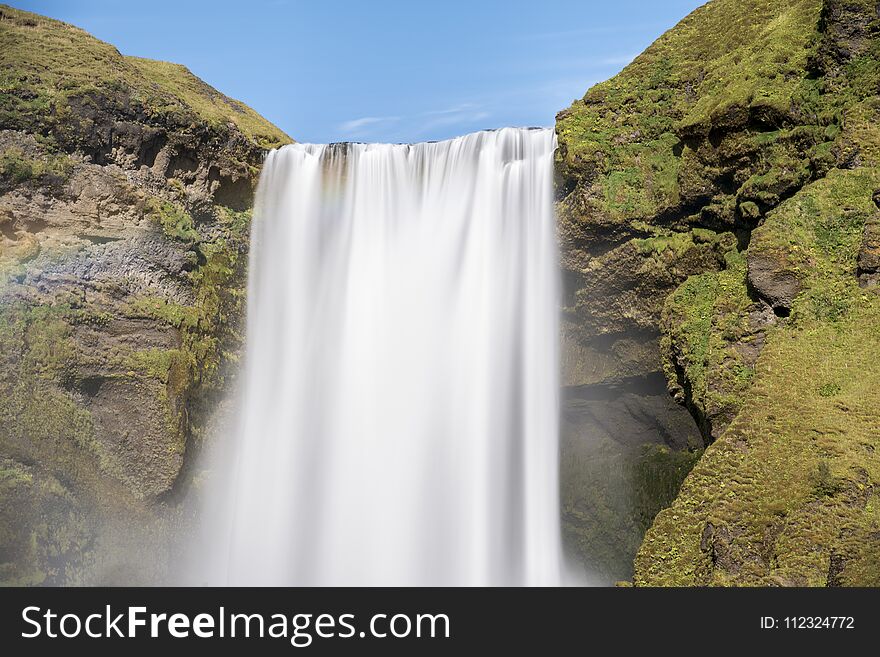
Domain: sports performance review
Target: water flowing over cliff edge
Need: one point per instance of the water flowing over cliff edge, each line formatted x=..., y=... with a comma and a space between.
x=717, y=206
x=400, y=414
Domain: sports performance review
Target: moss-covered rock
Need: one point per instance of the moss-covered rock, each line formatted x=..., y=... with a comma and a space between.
x=717, y=122
x=786, y=496
x=60, y=82
x=755, y=118
x=124, y=193
x=713, y=334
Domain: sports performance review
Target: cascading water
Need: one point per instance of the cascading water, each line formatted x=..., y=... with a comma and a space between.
x=400, y=409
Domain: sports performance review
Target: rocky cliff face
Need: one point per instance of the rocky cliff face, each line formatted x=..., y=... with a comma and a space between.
x=718, y=205
x=719, y=226
x=125, y=188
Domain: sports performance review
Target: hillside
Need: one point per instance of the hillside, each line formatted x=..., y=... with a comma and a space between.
x=125, y=194
x=718, y=209
x=50, y=69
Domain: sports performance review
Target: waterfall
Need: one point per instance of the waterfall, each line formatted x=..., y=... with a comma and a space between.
x=400, y=407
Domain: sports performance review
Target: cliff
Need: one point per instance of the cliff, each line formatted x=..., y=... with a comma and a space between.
x=125, y=188
x=718, y=211
x=719, y=221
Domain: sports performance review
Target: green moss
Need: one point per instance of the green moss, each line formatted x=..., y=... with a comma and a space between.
x=182, y=88
x=48, y=510
x=768, y=187
x=649, y=180
x=37, y=337
x=755, y=61
x=174, y=314
x=658, y=473
x=220, y=298
x=632, y=136
x=819, y=232
x=761, y=479
x=702, y=322
x=15, y=166
x=47, y=65
x=51, y=168
x=209, y=327
x=175, y=222
x=759, y=122
x=47, y=340
x=12, y=477
x=156, y=363
x=678, y=243
x=36, y=346
x=41, y=531
x=692, y=306
x=60, y=85
x=720, y=120
x=824, y=483
x=829, y=389
x=788, y=485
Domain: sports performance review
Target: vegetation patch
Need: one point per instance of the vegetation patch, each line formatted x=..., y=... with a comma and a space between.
x=49, y=70
x=705, y=322
x=175, y=222
x=18, y=168
x=790, y=483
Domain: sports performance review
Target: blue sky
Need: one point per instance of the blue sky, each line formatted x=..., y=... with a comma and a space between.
x=385, y=70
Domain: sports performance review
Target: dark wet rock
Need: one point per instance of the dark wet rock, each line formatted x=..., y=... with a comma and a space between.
x=624, y=450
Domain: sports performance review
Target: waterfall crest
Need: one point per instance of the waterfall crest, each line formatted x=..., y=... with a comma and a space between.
x=400, y=407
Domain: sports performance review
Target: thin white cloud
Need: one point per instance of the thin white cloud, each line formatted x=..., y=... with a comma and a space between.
x=423, y=121
x=450, y=118
x=455, y=109
x=357, y=125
